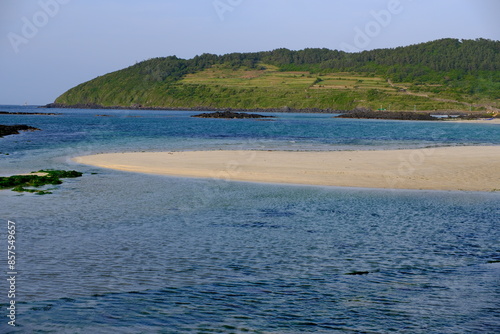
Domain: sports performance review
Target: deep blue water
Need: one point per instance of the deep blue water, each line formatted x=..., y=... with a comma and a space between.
x=117, y=252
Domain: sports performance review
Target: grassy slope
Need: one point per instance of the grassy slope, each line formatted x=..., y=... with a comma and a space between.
x=271, y=88
x=225, y=87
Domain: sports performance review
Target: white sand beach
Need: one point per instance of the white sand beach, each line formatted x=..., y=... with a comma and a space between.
x=470, y=168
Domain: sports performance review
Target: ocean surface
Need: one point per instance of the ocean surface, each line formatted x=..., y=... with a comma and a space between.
x=117, y=252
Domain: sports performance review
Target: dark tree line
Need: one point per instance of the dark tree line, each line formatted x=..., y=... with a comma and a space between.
x=464, y=65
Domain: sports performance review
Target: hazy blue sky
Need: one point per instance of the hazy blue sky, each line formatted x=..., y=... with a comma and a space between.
x=49, y=46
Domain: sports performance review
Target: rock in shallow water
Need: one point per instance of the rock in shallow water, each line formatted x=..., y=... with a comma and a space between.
x=230, y=115
x=6, y=130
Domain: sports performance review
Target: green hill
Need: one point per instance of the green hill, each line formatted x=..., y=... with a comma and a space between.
x=446, y=74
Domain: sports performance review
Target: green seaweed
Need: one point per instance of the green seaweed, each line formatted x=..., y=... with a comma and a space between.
x=20, y=182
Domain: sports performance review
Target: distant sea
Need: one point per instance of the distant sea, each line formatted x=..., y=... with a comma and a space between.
x=117, y=252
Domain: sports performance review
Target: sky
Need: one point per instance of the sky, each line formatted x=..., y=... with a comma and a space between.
x=50, y=46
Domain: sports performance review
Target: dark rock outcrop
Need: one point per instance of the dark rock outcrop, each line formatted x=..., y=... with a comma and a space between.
x=230, y=115
x=6, y=130
x=475, y=116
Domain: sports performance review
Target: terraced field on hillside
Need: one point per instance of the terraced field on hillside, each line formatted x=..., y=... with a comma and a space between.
x=269, y=88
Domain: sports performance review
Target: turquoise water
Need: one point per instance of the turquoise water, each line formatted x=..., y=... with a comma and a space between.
x=117, y=252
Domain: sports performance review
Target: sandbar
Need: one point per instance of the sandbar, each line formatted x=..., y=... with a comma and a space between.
x=467, y=168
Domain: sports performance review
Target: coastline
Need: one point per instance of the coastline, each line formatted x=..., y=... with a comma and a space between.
x=466, y=168
x=197, y=109
x=424, y=115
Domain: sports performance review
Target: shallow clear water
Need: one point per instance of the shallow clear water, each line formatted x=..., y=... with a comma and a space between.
x=131, y=253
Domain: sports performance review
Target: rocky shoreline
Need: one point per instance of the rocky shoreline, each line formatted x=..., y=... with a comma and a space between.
x=361, y=113
x=393, y=115
x=140, y=107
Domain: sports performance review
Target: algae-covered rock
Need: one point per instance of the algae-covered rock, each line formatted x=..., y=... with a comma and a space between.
x=36, y=179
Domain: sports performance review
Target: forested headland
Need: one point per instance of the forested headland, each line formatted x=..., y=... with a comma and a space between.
x=447, y=74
